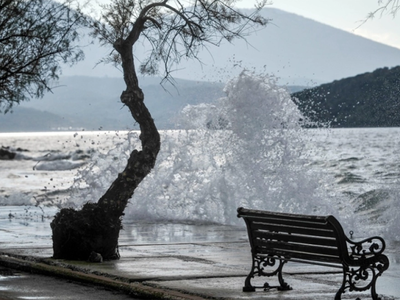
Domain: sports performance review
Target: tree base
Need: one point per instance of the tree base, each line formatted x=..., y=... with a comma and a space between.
x=76, y=234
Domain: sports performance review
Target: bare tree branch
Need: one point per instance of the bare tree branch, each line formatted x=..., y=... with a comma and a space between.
x=174, y=30
x=390, y=7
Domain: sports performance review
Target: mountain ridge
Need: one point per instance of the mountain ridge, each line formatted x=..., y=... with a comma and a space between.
x=93, y=103
x=296, y=49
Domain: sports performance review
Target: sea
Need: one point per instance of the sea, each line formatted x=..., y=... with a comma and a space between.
x=258, y=156
x=363, y=165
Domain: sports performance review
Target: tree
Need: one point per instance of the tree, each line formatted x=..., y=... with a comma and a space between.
x=36, y=37
x=390, y=6
x=173, y=30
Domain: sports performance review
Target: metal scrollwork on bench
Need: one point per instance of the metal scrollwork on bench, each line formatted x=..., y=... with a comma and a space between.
x=362, y=249
x=260, y=265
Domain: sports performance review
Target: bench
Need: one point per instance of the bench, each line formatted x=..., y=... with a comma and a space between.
x=276, y=238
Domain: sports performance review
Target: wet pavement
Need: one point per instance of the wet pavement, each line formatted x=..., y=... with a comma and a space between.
x=22, y=285
x=160, y=261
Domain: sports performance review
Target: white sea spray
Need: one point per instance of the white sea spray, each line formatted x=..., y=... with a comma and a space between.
x=246, y=149
x=93, y=179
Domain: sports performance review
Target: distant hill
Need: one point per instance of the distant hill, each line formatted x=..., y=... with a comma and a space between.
x=366, y=100
x=298, y=50
x=29, y=119
x=93, y=103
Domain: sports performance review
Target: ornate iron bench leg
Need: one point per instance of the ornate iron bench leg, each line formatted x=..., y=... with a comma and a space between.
x=284, y=286
x=247, y=283
x=363, y=278
x=260, y=263
x=343, y=287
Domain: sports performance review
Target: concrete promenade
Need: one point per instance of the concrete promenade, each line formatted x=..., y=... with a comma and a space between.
x=172, y=261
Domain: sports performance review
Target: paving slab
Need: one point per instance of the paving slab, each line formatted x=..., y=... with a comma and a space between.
x=23, y=285
x=177, y=261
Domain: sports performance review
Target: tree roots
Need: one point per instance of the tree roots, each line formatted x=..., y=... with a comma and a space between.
x=76, y=234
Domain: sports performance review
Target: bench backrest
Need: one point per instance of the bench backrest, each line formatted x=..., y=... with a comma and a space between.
x=296, y=237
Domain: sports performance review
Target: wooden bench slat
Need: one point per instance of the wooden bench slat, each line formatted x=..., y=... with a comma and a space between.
x=304, y=256
x=290, y=222
x=273, y=246
x=300, y=230
x=325, y=241
x=262, y=214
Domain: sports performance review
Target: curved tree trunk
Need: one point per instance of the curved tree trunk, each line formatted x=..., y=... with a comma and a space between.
x=95, y=228
x=178, y=31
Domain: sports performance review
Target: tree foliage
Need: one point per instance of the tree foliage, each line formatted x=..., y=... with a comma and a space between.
x=36, y=37
x=173, y=30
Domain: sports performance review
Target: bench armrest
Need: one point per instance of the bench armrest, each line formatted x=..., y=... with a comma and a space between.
x=366, y=248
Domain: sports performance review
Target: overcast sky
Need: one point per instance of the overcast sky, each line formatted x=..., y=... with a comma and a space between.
x=346, y=15
x=343, y=14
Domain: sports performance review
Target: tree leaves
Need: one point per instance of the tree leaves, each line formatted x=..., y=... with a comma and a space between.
x=36, y=37
x=172, y=29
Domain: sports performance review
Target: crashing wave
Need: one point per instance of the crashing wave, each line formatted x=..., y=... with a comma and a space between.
x=246, y=149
